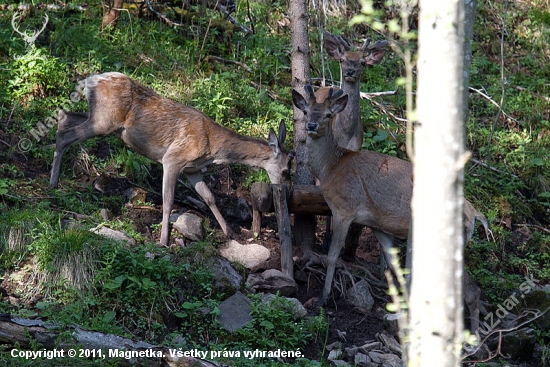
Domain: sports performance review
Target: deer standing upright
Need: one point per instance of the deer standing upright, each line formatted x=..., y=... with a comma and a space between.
x=348, y=129
x=179, y=137
x=367, y=188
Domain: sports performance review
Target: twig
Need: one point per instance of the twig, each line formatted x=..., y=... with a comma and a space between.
x=226, y=61
x=533, y=226
x=502, y=84
x=225, y=12
x=161, y=16
x=492, y=168
x=493, y=102
x=270, y=93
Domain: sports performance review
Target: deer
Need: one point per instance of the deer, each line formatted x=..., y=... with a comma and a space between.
x=348, y=128
x=367, y=188
x=179, y=137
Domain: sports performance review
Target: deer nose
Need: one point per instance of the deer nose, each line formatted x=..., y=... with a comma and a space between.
x=312, y=126
x=350, y=72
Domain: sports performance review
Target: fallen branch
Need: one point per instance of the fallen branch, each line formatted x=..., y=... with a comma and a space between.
x=226, y=61
x=493, y=102
x=492, y=168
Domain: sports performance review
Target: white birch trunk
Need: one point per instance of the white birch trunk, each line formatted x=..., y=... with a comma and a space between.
x=436, y=291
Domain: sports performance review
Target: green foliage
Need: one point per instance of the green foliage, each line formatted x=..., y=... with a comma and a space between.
x=35, y=74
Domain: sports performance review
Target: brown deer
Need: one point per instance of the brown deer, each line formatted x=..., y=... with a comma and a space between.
x=179, y=137
x=367, y=188
x=348, y=129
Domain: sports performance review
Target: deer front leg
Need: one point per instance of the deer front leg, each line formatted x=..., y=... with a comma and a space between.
x=169, y=179
x=203, y=190
x=72, y=127
x=386, y=243
x=340, y=230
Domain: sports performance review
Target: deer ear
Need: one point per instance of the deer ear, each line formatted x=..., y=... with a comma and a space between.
x=339, y=105
x=299, y=101
x=377, y=52
x=332, y=46
x=273, y=142
x=282, y=132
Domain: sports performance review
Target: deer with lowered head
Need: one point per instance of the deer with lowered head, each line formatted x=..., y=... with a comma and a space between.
x=179, y=137
x=367, y=188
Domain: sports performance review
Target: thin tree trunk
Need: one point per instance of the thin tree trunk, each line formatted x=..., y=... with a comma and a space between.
x=436, y=291
x=470, y=7
x=110, y=18
x=304, y=225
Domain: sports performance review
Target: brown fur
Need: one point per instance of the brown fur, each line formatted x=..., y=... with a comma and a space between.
x=179, y=137
x=366, y=188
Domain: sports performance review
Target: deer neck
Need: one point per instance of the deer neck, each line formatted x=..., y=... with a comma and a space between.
x=348, y=122
x=234, y=148
x=324, y=153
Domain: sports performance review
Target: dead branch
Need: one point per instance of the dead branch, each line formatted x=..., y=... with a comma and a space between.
x=226, y=61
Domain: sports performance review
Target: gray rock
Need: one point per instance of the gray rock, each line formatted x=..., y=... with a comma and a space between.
x=272, y=281
x=113, y=234
x=249, y=255
x=390, y=360
x=360, y=296
x=241, y=211
x=234, y=312
x=226, y=278
x=291, y=304
x=361, y=359
x=190, y=226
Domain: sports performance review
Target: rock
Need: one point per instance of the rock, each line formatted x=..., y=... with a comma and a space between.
x=291, y=304
x=390, y=360
x=272, y=281
x=351, y=351
x=366, y=348
x=334, y=354
x=360, y=296
x=338, y=362
x=190, y=226
x=249, y=255
x=376, y=357
x=113, y=234
x=240, y=211
x=226, y=278
x=390, y=342
x=518, y=344
x=234, y=312
x=135, y=195
x=392, y=324
x=334, y=346
x=104, y=213
x=361, y=360
x=537, y=300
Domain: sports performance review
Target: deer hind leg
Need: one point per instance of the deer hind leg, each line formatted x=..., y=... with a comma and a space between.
x=341, y=226
x=386, y=243
x=72, y=127
x=206, y=194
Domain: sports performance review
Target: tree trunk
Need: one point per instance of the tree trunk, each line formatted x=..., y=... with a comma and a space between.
x=110, y=18
x=436, y=290
x=304, y=225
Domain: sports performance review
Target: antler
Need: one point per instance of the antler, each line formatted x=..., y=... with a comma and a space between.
x=365, y=46
x=309, y=91
x=29, y=39
x=332, y=95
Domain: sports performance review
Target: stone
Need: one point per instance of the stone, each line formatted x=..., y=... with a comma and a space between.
x=272, y=281
x=113, y=234
x=249, y=255
x=226, y=278
x=360, y=296
x=234, y=312
x=390, y=360
x=290, y=304
x=240, y=211
x=190, y=226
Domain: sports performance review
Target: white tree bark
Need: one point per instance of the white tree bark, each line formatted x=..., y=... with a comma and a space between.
x=436, y=291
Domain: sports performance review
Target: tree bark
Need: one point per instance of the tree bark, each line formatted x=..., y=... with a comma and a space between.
x=304, y=225
x=436, y=290
x=110, y=18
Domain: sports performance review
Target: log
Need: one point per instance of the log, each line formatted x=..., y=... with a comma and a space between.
x=307, y=199
x=283, y=222
x=18, y=332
